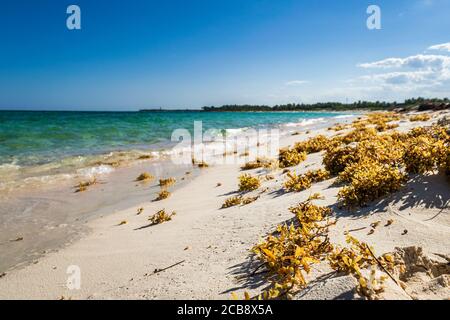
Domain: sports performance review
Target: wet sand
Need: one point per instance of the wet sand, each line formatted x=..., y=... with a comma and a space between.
x=49, y=217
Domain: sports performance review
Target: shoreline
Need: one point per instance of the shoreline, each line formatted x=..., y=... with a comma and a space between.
x=61, y=215
x=79, y=164
x=117, y=261
x=49, y=219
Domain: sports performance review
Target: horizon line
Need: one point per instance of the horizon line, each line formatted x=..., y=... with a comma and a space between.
x=156, y=109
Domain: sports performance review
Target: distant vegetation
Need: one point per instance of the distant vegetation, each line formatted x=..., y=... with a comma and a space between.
x=420, y=103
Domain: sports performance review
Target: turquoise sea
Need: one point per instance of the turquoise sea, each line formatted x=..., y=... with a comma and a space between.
x=39, y=144
x=30, y=138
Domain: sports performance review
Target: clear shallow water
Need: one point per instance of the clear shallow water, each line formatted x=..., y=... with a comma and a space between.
x=36, y=138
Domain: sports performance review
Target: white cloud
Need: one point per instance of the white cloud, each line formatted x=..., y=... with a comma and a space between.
x=414, y=82
x=295, y=83
x=391, y=79
x=414, y=75
x=416, y=62
x=442, y=47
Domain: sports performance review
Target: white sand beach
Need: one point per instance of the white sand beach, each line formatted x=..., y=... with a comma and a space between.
x=208, y=249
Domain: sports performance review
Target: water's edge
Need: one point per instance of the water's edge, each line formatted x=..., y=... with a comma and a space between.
x=50, y=216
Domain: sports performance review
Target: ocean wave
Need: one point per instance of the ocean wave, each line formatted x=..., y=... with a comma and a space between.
x=47, y=179
x=6, y=167
x=94, y=171
x=235, y=131
x=13, y=181
x=9, y=171
x=85, y=167
x=304, y=122
x=345, y=116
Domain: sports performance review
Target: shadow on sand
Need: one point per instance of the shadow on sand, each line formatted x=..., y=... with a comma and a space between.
x=427, y=191
x=250, y=274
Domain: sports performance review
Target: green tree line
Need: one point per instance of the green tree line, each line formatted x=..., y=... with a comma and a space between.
x=333, y=106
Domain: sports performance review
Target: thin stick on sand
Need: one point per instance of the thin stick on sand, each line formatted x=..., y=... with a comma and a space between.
x=382, y=267
x=164, y=269
x=358, y=229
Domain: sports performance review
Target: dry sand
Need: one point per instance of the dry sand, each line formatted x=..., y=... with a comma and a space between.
x=118, y=262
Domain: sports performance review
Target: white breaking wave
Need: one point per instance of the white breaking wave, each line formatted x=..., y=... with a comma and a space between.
x=305, y=122
x=93, y=171
x=235, y=132
x=9, y=167
x=345, y=116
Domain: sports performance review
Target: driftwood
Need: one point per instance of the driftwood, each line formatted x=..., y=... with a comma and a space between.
x=359, y=229
x=164, y=269
x=383, y=268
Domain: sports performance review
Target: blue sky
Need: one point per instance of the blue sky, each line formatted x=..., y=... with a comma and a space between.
x=186, y=54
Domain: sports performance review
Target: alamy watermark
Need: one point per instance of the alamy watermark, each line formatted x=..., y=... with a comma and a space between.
x=74, y=278
x=73, y=21
x=374, y=20
x=232, y=146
